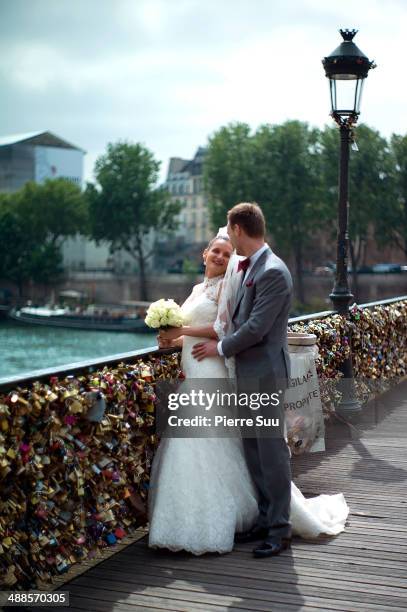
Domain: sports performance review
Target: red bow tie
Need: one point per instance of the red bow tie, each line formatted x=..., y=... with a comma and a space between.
x=243, y=264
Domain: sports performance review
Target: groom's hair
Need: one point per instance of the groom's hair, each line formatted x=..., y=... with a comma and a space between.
x=250, y=217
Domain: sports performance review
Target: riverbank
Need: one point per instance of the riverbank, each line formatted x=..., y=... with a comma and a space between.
x=101, y=287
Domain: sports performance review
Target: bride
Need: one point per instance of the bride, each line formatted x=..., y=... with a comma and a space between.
x=201, y=492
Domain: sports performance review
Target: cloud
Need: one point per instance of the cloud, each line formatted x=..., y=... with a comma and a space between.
x=170, y=72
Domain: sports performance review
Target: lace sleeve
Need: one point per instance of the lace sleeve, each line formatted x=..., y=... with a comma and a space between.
x=196, y=290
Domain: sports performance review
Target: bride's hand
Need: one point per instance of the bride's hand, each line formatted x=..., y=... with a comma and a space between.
x=171, y=334
x=163, y=344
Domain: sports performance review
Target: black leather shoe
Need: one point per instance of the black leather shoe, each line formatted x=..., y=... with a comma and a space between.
x=272, y=546
x=254, y=534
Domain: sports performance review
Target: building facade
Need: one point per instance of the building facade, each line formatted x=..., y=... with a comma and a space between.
x=185, y=184
x=38, y=156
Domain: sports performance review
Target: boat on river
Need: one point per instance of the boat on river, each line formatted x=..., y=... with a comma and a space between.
x=90, y=319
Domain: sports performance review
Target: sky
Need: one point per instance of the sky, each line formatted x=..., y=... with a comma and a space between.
x=169, y=73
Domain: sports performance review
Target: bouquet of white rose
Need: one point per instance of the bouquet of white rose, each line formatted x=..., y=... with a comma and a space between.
x=164, y=313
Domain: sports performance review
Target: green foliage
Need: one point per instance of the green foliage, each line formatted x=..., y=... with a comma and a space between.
x=373, y=204
x=394, y=226
x=15, y=247
x=53, y=210
x=46, y=263
x=292, y=171
x=278, y=166
x=126, y=205
x=287, y=181
x=190, y=268
x=370, y=171
x=229, y=170
x=33, y=225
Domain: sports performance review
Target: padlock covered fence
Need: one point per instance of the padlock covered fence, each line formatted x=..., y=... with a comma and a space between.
x=76, y=444
x=375, y=334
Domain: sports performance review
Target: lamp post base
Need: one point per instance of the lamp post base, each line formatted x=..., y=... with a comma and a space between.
x=341, y=301
x=349, y=406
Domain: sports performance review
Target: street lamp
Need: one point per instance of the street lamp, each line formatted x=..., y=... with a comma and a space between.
x=346, y=68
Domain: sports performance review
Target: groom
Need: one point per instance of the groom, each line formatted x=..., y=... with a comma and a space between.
x=259, y=344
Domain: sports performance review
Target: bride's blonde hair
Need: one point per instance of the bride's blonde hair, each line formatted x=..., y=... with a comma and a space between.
x=213, y=240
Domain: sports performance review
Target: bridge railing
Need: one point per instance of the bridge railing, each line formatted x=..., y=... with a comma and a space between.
x=300, y=322
x=76, y=442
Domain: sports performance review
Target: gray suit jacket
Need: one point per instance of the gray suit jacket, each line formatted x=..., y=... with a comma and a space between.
x=260, y=317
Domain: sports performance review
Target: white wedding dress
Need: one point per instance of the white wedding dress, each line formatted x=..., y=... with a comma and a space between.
x=201, y=492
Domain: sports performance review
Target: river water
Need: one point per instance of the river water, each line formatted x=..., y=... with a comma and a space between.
x=24, y=348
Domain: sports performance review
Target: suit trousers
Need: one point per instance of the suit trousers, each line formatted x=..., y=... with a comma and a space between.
x=268, y=459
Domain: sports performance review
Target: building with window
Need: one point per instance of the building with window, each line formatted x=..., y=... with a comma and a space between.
x=185, y=184
x=38, y=156
x=184, y=247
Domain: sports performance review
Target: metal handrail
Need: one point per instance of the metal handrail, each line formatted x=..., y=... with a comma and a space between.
x=71, y=368
x=384, y=302
x=91, y=365
x=327, y=313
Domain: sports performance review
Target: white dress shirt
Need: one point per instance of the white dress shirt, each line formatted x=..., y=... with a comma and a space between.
x=253, y=259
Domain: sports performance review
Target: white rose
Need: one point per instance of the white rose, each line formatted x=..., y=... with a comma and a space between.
x=152, y=321
x=163, y=313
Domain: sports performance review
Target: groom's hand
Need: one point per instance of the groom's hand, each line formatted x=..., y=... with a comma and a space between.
x=205, y=349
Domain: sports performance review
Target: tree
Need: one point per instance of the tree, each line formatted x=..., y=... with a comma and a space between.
x=46, y=263
x=277, y=167
x=125, y=205
x=291, y=170
x=393, y=227
x=23, y=256
x=34, y=222
x=229, y=172
x=370, y=187
x=14, y=245
x=53, y=210
x=286, y=159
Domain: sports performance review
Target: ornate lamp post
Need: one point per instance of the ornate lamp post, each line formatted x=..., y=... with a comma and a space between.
x=346, y=68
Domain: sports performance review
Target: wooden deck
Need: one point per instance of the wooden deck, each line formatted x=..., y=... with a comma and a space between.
x=363, y=569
